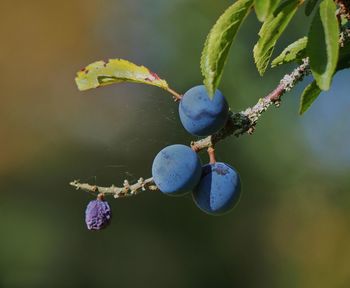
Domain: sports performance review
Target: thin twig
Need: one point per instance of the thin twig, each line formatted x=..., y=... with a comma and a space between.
x=118, y=192
x=344, y=8
x=176, y=96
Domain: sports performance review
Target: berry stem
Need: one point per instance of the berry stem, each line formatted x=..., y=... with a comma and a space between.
x=177, y=96
x=211, y=153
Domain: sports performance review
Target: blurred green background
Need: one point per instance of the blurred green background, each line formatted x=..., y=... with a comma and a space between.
x=291, y=228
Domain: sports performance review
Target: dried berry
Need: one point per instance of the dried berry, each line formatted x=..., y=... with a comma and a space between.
x=97, y=214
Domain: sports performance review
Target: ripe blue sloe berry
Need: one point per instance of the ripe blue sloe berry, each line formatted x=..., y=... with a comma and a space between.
x=200, y=115
x=176, y=169
x=218, y=190
x=97, y=214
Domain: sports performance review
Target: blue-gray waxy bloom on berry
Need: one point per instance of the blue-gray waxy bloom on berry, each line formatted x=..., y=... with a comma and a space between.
x=97, y=214
x=218, y=190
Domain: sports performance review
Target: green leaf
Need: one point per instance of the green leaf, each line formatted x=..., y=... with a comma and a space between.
x=264, y=8
x=270, y=31
x=218, y=43
x=103, y=73
x=344, y=57
x=322, y=47
x=293, y=52
x=310, y=5
x=310, y=93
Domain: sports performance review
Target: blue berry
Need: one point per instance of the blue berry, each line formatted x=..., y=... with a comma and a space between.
x=97, y=214
x=176, y=169
x=200, y=115
x=218, y=190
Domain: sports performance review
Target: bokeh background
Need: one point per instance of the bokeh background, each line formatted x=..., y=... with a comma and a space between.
x=292, y=226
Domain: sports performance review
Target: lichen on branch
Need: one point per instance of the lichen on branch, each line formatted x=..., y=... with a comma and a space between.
x=245, y=121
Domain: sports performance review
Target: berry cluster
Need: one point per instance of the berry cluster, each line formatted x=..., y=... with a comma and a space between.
x=177, y=169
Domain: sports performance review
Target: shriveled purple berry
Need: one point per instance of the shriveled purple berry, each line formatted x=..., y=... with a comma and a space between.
x=97, y=214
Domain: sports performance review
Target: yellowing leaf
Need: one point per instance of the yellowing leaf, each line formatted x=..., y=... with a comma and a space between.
x=103, y=73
